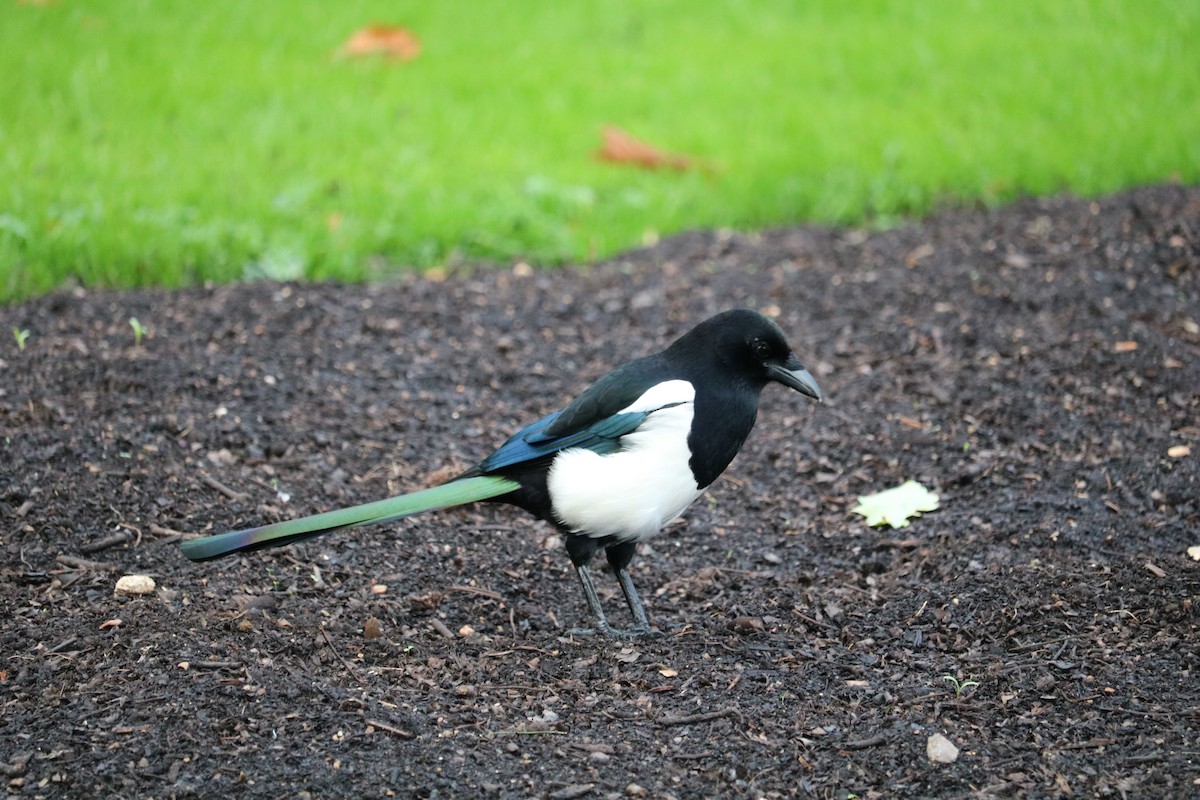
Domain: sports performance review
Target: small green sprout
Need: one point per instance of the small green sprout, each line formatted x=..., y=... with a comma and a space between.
x=959, y=687
x=20, y=336
x=139, y=331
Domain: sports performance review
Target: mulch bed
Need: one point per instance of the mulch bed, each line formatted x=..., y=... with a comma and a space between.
x=1038, y=366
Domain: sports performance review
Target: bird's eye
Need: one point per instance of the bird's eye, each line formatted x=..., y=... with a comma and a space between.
x=761, y=350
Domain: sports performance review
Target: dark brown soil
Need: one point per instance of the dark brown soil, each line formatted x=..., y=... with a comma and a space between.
x=1038, y=366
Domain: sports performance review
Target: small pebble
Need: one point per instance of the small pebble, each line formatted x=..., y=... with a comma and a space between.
x=941, y=750
x=135, y=584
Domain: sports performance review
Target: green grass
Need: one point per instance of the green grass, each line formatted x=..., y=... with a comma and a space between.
x=171, y=142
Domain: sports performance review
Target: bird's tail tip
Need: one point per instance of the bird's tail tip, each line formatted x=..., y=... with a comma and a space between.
x=455, y=493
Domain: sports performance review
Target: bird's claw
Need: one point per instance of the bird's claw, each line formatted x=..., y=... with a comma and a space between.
x=617, y=633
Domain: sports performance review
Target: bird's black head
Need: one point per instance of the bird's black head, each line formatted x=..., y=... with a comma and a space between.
x=750, y=347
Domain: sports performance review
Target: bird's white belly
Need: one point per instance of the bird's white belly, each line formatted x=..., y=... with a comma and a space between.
x=633, y=493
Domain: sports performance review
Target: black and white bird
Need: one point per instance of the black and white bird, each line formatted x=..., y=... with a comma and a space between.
x=613, y=467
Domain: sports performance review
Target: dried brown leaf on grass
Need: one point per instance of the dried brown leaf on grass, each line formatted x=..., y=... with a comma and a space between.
x=390, y=41
x=619, y=147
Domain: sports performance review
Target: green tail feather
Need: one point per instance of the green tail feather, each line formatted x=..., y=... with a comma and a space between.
x=456, y=493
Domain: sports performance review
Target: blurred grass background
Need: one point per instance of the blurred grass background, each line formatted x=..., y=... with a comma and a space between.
x=170, y=142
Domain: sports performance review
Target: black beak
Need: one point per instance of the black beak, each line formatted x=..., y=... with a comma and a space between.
x=794, y=375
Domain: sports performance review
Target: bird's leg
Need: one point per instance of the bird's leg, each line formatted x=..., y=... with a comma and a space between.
x=635, y=603
x=593, y=600
x=619, y=555
x=581, y=549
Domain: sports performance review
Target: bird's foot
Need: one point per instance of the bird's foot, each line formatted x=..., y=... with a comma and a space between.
x=624, y=634
x=645, y=633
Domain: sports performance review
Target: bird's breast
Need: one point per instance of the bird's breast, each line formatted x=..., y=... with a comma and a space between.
x=633, y=492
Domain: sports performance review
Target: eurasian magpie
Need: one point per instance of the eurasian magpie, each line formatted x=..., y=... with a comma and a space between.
x=613, y=467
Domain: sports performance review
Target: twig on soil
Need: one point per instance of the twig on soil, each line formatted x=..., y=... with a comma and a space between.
x=488, y=593
x=112, y=540
x=870, y=741
x=82, y=563
x=403, y=734
x=159, y=530
x=1022, y=648
x=213, y=483
x=261, y=483
x=755, y=777
x=63, y=645
x=345, y=663
x=621, y=717
x=812, y=621
x=747, y=573
x=707, y=716
x=137, y=532
x=1144, y=758
x=441, y=628
x=1088, y=745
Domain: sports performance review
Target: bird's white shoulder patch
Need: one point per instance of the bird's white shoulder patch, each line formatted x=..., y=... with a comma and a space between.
x=662, y=394
x=634, y=492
